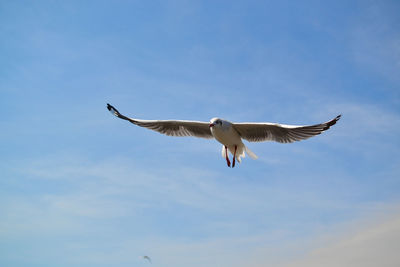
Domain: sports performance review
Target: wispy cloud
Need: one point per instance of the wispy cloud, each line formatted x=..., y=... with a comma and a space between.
x=367, y=243
x=118, y=200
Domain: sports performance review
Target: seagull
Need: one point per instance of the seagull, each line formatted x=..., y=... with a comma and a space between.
x=147, y=258
x=231, y=134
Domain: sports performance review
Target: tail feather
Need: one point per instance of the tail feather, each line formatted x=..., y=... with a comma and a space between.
x=240, y=155
x=223, y=152
x=250, y=153
x=240, y=152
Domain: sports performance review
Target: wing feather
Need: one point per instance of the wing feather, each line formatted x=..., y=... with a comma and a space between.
x=169, y=127
x=259, y=132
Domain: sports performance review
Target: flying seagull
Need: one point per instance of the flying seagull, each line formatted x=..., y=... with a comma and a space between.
x=147, y=258
x=230, y=134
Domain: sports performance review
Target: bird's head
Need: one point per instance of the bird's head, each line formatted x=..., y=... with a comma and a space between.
x=220, y=123
x=215, y=122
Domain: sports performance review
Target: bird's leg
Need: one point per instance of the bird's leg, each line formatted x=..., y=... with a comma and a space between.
x=234, y=156
x=226, y=156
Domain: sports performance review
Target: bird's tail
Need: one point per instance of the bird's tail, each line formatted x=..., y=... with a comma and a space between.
x=250, y=153
x=223, y=152
x=239, y=152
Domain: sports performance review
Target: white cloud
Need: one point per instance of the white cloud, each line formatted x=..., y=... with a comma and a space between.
x=235, y=220
x=374, y=245
x=365, y=243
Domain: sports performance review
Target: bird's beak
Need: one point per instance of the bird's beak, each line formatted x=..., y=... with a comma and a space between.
x=211, y=125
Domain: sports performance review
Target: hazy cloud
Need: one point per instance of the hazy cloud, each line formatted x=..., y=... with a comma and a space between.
x=375, y=245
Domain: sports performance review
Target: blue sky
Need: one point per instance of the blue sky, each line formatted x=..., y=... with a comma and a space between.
x=79, y=187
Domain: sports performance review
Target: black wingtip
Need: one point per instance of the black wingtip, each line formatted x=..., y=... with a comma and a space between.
x=113, y=110
x=109, y=107
x=332, y=122
x=337, y=118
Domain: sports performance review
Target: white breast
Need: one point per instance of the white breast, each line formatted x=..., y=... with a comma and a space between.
x=226, y=136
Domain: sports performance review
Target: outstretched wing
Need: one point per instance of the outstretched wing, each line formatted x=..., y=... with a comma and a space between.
x=259, y=132
x=169, y=127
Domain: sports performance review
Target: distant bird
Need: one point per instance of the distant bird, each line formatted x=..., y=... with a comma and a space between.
x=147, y=258
x=230, y=134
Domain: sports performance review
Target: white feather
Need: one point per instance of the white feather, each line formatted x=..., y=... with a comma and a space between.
x=250, y=153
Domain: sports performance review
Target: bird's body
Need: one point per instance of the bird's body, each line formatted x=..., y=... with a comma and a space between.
x=230, y=138
x=225, y=134
x=230, y=134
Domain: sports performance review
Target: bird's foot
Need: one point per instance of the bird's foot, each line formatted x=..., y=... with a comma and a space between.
x=234, y=157
x=228, y=162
